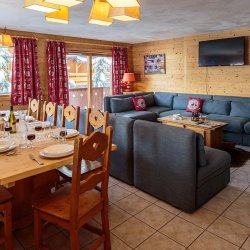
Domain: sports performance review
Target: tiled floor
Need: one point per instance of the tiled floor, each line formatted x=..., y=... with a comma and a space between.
x=140, y=221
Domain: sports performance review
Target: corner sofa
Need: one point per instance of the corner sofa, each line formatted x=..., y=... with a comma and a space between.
x=233, y=110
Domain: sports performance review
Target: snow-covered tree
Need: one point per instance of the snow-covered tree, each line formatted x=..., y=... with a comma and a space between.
x=5, y=72
x=102, y=74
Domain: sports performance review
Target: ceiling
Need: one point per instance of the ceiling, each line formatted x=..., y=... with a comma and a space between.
x=161, y=19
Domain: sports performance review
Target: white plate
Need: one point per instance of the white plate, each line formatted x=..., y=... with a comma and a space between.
x=29, y=118
x=6, y=145
x=70, y=133
x=57, y=151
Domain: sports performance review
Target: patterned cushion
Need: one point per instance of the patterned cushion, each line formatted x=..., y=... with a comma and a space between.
x=194, y=104
x=139, y=103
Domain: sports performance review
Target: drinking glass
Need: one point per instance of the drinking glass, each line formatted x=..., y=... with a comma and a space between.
x=7, y=129
x=62, y=135
x=38, y=129
x=30, y=137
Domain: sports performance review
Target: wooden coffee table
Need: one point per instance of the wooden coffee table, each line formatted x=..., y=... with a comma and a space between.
x=211, y=130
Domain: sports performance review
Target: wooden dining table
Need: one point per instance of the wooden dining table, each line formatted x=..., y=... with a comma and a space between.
x=29, y=181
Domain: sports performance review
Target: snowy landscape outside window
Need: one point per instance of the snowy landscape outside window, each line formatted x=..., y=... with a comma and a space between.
x=5, y=70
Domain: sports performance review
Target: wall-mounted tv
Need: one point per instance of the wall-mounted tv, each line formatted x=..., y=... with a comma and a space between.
x=222, y=52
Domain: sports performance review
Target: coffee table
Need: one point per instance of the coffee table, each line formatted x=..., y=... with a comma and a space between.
x=210, y=130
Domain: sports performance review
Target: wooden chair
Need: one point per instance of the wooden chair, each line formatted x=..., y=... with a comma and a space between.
x=5, y=209
x=70, y=114
x=94, y=119
x=34, y=108
x=49, y=110
x=73, y=206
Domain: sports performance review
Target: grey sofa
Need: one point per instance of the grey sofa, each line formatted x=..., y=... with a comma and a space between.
x=233, y=110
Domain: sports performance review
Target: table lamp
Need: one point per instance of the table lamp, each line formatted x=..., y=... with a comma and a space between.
x=128, y=78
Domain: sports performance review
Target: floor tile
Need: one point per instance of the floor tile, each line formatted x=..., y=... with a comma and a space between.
x=230, y=231
x=133, y=232
x=246, y=245
x=146, y=196
x=130, y=188
x=202, y=217
x=238, y=214
x=243, y=200
x=116, y=216
x=239, y=184
x=155, y=216
x=113, y=180
x=58, y=241
x=133, y=204
x=243, y=175
x=26, y=236
x=210, y=241
x=117, y=193
x=181, y=231
x=217, y=205
x=229, y=193
x=117, y=244
x=160, y=242
x=167, y=207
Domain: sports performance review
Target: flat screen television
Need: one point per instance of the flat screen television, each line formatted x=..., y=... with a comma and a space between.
x=222, y=52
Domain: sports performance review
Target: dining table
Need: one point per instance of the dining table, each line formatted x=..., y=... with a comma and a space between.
x=26, y=179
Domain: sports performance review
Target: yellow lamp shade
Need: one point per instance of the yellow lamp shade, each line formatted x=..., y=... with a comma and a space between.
x=99, y=13
x=123, y=3
x=40, y=5
x=61, y=16
x=125, y=14
x=5, y=40
x=68, y=3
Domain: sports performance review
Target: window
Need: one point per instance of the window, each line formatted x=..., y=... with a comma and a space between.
x=80, y=87
x=5, y=70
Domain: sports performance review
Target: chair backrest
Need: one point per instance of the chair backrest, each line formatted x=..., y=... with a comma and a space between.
x=34, y=108
x=96, y=119
x=96, y=146
x=49, y=110
x=71, y=114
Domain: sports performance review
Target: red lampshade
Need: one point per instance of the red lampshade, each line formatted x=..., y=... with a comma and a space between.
x=128, y=77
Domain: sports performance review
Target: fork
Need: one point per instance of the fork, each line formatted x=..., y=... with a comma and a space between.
x=32, y=157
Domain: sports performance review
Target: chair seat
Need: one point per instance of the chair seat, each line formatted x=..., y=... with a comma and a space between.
x=86, y=168
x=58, y=203
x=5, y=195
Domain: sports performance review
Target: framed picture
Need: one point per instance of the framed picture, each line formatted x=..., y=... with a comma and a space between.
x=154, y=64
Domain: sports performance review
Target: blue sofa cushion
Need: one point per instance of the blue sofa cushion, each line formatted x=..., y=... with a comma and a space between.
x=216, y=107
x=121, y=104
x=164, y=99
x=149, y=99
x=140, y=115
x=240, y=109
x=235, y=124
x=247, y=128
x=157, y=109
x=175, y=111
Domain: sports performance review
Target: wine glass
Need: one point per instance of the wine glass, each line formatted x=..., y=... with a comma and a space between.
x=38, y=129
x=30, y=137
x=62, y=135
x=7, y=129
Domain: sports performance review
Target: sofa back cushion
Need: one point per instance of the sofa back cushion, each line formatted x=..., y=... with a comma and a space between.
x=121, y=104
x=149, y=99
x=240, y=109
x=107, y=100
x=164, y=99
x=216, y=107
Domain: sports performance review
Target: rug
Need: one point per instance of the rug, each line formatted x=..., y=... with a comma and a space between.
x=240, y=155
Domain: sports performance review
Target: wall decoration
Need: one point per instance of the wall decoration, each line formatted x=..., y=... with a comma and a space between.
x=154, y=64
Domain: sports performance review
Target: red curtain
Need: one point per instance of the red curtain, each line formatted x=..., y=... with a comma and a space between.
x=57, y=73
x=25, y=73
x=119, y=67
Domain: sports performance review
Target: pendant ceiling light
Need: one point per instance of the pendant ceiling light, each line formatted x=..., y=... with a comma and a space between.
x=125, y=14
x=68, y=3
x=5, y=40
x=61, y=16
x=99, y=13
x=40, y=5
x=123, y=3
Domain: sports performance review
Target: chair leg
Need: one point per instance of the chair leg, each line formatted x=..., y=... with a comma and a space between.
x=74, y=239
x=105, y=227
x=37, y=230
x=8, y=226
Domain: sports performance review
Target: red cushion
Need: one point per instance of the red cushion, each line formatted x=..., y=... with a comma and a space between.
x=194, y=104
x=139, y=103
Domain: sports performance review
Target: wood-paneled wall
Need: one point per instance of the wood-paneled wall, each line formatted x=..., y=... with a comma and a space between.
x=182, y=72
x=89, y=46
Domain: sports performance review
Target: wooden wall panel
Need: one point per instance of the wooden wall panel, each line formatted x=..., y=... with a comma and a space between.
x=182, y=72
